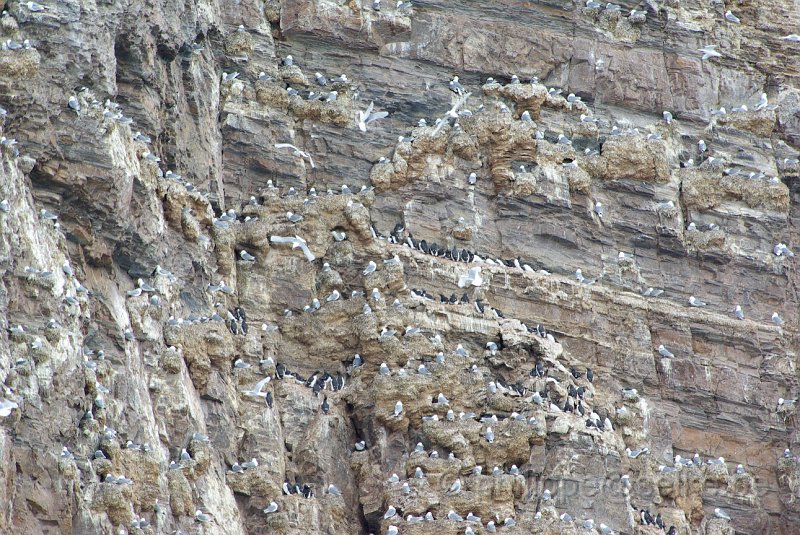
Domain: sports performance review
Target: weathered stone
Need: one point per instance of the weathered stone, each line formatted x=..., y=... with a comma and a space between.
x=532, y=218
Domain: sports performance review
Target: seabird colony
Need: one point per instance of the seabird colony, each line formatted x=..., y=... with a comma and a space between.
x=541, y=390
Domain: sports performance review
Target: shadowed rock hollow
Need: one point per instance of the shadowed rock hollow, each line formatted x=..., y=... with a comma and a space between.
x=481, y=314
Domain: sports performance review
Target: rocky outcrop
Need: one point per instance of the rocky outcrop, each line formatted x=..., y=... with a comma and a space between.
x=227, y=308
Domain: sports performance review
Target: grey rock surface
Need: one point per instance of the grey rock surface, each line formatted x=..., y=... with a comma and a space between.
x=144, y=329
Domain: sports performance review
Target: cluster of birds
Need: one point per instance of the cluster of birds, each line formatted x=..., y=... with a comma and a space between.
x=703, y=149
x=491, y=526
x=301, y=489
x=497, y=385
x=646, y=519
x=318, y=381
x=237, y=321
x=575, y=400
x=322, y=81
x=396, y=236
x=576, y=393
x=365, y=117
x=10, y=44
x=13, y=45
x=709, y=51
x=399, y=6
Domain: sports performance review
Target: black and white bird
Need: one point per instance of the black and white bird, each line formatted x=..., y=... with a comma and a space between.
x=456, y=87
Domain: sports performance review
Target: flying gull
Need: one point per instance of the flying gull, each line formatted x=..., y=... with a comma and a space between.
x=297, y=152
x=472, y=277
x=452, y=113
x=297, y=243
x=257, y=389
x=6, y=407
x=368, y=116
x=709, y=51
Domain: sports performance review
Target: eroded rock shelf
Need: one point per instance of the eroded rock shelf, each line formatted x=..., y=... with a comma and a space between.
x=554, y=308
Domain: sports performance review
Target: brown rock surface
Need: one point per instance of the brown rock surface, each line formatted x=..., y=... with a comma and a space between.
x=136, y=325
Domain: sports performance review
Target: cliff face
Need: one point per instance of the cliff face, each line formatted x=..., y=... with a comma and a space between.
x=151, y=277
